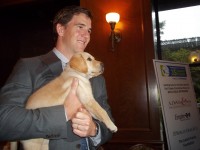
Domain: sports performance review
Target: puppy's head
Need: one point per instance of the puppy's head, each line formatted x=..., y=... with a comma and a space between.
x=86, y=63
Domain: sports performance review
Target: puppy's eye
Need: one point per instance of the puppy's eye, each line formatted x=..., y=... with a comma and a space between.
x=89, y=59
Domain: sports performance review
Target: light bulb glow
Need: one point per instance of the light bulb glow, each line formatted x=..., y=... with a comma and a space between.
x=194, y=56
x=112, y=17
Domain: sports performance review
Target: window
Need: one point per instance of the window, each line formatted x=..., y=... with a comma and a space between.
x=180, y=34
x=180, y=39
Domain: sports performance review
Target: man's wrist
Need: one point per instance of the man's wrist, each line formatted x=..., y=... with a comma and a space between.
x=96, y=129
x=96, y=139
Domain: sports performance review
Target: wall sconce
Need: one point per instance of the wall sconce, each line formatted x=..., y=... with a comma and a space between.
x=113, y=18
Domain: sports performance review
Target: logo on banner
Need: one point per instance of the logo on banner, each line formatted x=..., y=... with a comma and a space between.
x=183, y=117
x=173, y=71
x=183, y=102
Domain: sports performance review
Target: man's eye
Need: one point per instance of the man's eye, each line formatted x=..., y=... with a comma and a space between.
x=89, y=59
x=80, y=27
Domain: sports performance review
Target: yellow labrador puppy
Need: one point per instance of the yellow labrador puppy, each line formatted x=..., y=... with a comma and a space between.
x=82, y=66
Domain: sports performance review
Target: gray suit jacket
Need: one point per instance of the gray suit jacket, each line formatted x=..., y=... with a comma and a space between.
x=17, y=123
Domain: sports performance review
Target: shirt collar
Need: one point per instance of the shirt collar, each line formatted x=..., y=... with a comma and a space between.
x=63, y=59
x=60, y=56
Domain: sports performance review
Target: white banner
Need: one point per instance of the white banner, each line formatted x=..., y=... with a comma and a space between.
x=179, y=108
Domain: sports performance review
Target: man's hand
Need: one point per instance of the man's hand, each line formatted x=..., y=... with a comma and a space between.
x=83, y=124
x=72, y=103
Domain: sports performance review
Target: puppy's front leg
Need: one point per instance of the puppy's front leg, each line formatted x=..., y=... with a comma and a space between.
x=99, y=113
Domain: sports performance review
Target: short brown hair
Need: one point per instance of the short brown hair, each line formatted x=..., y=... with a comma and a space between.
x=65, y=15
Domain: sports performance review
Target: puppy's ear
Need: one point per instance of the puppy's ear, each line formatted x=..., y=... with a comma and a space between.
x=77, y=62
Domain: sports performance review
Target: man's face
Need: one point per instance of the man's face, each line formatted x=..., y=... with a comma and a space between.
x=77, y=33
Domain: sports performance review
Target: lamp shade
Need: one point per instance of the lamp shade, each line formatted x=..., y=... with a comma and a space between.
x=112, y=17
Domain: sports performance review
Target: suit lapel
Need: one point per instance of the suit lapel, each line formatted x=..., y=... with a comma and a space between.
x=53, y=62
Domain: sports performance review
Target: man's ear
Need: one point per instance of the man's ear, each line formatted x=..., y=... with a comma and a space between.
x=60, y=29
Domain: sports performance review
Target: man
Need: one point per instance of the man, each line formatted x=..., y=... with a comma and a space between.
x=66, y=126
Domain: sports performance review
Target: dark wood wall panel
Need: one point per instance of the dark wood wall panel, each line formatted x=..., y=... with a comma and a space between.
x=129, y=70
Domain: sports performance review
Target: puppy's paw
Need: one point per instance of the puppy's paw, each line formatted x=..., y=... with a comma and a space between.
x=113, y=128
